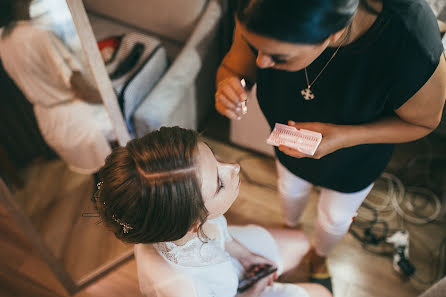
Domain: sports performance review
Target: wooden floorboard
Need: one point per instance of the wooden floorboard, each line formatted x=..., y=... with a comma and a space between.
x=356, y=272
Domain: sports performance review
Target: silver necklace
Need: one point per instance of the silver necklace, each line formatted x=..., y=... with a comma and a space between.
x=307, y=93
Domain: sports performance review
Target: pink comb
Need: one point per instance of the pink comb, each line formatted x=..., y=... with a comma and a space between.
x=304, y=141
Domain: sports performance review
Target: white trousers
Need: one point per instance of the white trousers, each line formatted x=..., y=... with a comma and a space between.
x=335, y=209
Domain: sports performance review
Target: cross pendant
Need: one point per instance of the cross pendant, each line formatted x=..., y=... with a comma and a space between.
x=307, y=94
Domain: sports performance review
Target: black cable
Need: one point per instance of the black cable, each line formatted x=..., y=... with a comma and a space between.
x=416, y=208
x=372, y=233
x=435, y=270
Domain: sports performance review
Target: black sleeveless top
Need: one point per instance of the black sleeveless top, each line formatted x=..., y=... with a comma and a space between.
x=365, y=81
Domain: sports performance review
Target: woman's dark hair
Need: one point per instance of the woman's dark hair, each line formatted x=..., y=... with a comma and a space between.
x=7, y=12
x=150, y=191
x=12, y=11
x=297, y=21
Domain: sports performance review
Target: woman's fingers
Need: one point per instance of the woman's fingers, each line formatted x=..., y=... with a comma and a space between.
x=292, y=152
x=223, y=108
x=271, y=279
x=226, y=101
x=228, y=97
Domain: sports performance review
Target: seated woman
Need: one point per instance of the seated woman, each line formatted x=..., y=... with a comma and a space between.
x=68, y=109
x=167, y=193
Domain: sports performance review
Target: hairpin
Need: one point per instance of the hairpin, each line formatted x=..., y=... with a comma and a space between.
x=96, y=194
x=125, y=227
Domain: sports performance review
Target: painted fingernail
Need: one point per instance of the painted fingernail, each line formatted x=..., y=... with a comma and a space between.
x=243, y=83
x=244, y=107
x=239, y=118
x=238, y=109
x=291, y=122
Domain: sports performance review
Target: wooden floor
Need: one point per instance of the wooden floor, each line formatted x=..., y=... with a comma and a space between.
x=58, y=202
x=356, y=272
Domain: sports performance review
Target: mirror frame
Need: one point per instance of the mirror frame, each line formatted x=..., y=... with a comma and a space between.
x=102, y=80
x=105, y=88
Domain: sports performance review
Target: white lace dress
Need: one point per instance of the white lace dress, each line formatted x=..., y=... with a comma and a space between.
x=199, y=269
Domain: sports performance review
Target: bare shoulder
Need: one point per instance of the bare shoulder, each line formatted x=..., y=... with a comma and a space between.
x=426, y=106
x=240, y=58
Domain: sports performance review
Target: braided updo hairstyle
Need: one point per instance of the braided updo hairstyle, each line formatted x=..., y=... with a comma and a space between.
x=150, y=191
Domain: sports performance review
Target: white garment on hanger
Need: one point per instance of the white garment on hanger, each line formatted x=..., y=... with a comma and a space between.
x=199, y=269
x=42, y=66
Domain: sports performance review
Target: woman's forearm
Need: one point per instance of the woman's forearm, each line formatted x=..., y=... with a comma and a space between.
x=390, y=129
x=223, y=72
x=236, y=250
x=83, y=89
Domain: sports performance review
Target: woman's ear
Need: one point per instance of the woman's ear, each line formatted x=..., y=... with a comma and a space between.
x=333, y=38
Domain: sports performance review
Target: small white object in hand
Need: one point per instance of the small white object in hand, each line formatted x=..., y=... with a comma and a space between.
x=305, y=141
x=245, y=102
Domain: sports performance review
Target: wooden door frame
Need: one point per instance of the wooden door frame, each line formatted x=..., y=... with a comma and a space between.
x=102, y=80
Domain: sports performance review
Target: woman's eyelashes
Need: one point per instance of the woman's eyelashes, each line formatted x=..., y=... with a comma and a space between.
x=221, y=186
x=220, y=183
x=275, y=58
x=278, y=60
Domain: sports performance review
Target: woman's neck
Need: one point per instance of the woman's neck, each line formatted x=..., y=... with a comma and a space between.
x=185, y=239
x=209, y=229
x=362, y=21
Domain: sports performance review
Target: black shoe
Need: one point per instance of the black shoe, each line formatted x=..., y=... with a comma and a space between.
x=323, y=279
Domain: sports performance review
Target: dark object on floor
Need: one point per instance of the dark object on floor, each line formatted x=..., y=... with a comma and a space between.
x=323, y=279
x=8, y=169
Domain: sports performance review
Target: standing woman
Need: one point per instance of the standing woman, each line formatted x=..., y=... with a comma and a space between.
x=69, y=110
x=364, y=73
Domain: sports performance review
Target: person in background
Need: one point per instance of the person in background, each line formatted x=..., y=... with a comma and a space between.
x=364, y=73
x=68, y=109
x=167, y=193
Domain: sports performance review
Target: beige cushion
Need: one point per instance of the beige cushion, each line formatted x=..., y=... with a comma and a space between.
x=174, y=19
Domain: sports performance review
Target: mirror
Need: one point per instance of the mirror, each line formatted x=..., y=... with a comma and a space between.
x=61, y=73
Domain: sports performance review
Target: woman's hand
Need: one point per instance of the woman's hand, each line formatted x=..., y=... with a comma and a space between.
x=253, y=260
x=83, y=89
x=228, y=97
x=333, y=139
x=246, y=258
x=258, y=287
